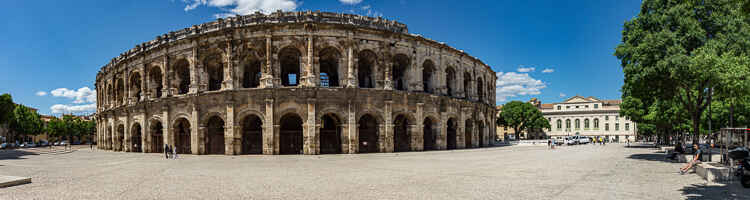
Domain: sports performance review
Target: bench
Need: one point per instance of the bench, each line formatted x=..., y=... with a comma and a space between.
x=712, y=172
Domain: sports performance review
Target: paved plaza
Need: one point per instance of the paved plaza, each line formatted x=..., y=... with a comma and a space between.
x=510, y=172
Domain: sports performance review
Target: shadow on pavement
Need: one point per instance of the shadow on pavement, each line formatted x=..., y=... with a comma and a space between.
x=732, y=190
x=15, y=154
x=651, y=157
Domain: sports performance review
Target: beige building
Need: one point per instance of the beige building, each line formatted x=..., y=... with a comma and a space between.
x=588, y=116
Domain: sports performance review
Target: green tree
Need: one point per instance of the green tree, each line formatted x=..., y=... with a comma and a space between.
x=677, y=51
x=521, y=116
x=26, y=121
x=56, y=128
x=6, y=108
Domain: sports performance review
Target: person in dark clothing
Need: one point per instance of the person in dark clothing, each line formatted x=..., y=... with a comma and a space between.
x=677, y=151
x=696, y=159
x=166, y=151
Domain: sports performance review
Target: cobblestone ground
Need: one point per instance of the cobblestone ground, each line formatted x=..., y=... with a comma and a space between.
x=514, y=172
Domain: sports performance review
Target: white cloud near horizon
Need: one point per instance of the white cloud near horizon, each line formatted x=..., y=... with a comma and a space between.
x=512, y=84
x=64, y=109
x=523, y=69
x=548, y=70
x=563, y=95
x=41, y=93
x=350, y=2
x=84, y=100
x=243, y=7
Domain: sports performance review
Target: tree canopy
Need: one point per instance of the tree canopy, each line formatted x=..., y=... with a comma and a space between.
x=521, y=116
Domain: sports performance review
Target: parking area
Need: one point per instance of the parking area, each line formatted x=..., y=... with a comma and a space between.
x=511, y=172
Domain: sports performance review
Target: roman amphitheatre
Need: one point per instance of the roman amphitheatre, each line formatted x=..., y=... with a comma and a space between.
x=294, y=83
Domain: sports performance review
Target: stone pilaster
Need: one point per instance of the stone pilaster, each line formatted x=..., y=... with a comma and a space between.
x=310, y=133
x=386, y=143
x=167, y=134
x=197, y=131
x=195, y=70
x=231, y=139
x=352, y=135
x=266, y=78
x=461, y=129
x=441, y=141
x=270, y=130
x=166, y=79
x=417, y=131
x=228, y=83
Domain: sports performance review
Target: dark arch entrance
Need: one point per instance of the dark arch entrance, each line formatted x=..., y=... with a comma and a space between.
x=290, y=136
x=252, y=135
x=329, y=65
x=135, y=138
x=182, y=136
x=215, y=136
x=401, y=134
x=215, y=71
x=368, y=134
x=365, y=66
x=398, y=72
x=330, y=134
x=155, y=84
x=451, y=134
x=429, y=135
x=182, y=76
x=120, y=137
x=251, y=73
x=157, y=137
x=467, y=133
x=290, y=66
x=480, y=131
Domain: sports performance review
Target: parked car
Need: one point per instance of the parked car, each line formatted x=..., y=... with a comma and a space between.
x=76, y=143
x=64, y=142
x=4, y=145
x=31, y=145
x=559, y=141
x=583, y=140
x=43, y=143
x=572, y=140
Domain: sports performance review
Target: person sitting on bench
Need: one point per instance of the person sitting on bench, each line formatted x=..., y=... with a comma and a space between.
x=696, y=159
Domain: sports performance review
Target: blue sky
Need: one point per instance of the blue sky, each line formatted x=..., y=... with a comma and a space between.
x=55, y=48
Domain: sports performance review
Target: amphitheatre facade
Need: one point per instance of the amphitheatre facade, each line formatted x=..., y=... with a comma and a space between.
x=294, y=83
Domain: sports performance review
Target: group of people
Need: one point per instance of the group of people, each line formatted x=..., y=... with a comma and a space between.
x=600, y=141
x=170, y=151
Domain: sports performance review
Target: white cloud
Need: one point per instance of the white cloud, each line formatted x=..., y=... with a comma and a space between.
x=548, y=70
x=350, y=2
x=41, y=93
x=526, y=69
x=512, y=84
x=562, y=95
x=60, y=108
x=82, y=95
x=366, y=7
x=243, y=7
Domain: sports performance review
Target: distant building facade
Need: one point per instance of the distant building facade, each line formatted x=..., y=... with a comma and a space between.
x=588, y=116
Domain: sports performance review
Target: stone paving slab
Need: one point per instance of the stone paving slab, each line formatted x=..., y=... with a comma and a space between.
x=8, y=181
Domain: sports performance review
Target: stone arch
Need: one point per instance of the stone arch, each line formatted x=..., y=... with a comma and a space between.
x=467, y=85
x=110, y=94
x=207, y=116
x=330, y=129
x=480, y=89
x=290, y=134
x=369, y=135
x=430, y=127
x=428, y=71
x=450, y=81
x=182, y=135
x=480, y=132
x=135, y=85
x=251, y=127
x=181, y=79
x=289, y=58
x=452, y=133
x=120, y=139
x=120, y=91
x=366, y=68
x=215, y=135
x=402, y=125
x=213, y=64
x=135, y=137
x=155, y=80
x=156, y=130
x=329, y=60
x=400, y=72
x=250, y=69
x=468, y=133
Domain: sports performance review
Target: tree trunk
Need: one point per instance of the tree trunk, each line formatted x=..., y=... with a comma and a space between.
x=696, y=128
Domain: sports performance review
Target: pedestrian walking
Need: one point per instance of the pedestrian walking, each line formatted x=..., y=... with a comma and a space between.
x=174, y=153
x=166, y=151
x=549, y=144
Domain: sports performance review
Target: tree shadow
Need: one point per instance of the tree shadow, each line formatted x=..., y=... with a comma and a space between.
x=651, y=157
x=730, y=190
x=15, y=154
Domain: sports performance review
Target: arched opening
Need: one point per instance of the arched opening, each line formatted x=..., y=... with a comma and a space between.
x=330, y=134
x=398, y=72
x=428, y=68
x=365, y=68
x=429, y=135
x=108, y=138
x=251, y=73
x=480, y=131
x=329, y=67
x=182, y=136
x=290, y=136
x=215, y=71
x=290, y=66
x=215, y=135
x=135, y=138
x=120, y=138
x=252, y=135
x=467, y=85
x=401, y=134
x=157, y=137
x=135, y=86
x=451, y=133
x=120, y=92
x=450, y=79
x=110, y=94
x=480, y=89
x=368, y=134
x=182, y=76
x=155, y=84
x=468, y=133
